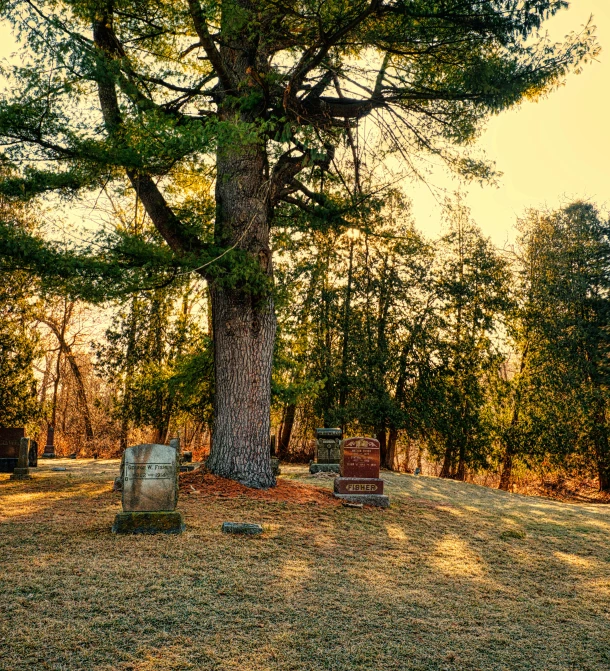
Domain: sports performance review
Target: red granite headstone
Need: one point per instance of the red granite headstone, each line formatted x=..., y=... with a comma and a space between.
x=360, y=458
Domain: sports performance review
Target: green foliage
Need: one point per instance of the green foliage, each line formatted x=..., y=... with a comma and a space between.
x=563, y=327
x=18, y=351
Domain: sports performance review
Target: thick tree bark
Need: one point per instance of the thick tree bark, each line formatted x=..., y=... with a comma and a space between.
x=244, y=324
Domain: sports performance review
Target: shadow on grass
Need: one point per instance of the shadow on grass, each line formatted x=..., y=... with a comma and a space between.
x=450, y=577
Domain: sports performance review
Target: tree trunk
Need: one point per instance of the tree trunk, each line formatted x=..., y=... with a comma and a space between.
x=602, y=446
x=507, y=470
x=81, y=392
x=286, y=429
x=380, y=432
x=447, y=469
x=243, y=323
x=391, y=456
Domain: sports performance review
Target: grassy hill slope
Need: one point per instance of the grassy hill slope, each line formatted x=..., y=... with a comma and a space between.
x=452, y=576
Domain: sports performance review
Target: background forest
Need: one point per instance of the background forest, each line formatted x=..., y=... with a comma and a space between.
x=464, y=360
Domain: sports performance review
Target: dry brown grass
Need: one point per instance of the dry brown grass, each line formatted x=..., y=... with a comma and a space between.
x=453, y=576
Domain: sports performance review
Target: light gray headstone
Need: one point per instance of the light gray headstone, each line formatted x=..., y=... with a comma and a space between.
x=150, y=478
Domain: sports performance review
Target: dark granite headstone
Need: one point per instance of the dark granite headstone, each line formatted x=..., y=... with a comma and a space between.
x=241, y=528
x=328, y=451
x=49, y=448
x=9, y=448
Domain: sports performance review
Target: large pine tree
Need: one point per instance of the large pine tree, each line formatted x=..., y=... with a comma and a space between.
x=264, y=93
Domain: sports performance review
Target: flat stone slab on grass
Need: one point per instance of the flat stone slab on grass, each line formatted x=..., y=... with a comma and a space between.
x=241, y=528
x=159, y=522
x=323, y=468
x=381, y=501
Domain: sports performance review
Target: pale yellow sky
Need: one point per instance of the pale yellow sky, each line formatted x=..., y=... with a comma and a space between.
x=549, y=152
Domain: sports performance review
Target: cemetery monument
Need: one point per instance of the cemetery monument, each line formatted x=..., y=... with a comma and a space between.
x=150, y=491
x=10, y=442
x=359, y=480
x=328, y=451
x=22, y=470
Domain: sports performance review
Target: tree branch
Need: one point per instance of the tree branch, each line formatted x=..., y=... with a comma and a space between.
x=201, y=27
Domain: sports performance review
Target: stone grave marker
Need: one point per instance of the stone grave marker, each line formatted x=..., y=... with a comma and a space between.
x=9, y=448
x=10, y=440
x=328, y=451
x=49, y=448
x=22, y=469
x=359, y=480
x=150, y=491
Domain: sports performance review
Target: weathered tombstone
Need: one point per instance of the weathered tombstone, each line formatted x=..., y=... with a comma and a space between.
x=359, y=480
x=328, y=451
x=150, y=491
x=49, y=448
x=22, y=470
x=10, y=440
x=33, y=454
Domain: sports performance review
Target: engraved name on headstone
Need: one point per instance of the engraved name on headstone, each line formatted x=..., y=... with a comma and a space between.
x=150, y=478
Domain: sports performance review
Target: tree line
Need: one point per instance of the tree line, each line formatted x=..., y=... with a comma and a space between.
x=483, y=360
x=229, y=126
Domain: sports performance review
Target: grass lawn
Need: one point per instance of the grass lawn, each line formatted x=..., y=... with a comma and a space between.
x=452, y=576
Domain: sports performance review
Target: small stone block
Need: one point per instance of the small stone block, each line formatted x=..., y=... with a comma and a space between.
x=160, y=522
x=323, y=468
x=59, y=468
x=241, y=528
x=381, y=501
x=21, y=474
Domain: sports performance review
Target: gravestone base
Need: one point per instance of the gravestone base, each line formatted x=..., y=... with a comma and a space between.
x=7, y=465
x=323, y=468
x=21, y=474
x=158, y=522
x=48, y=455
x=368, y=486
x=380, y=500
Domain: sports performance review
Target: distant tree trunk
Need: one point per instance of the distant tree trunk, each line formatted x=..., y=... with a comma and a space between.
x=380, y=432
x=602, y=446
x=447, y=468
x=60, y=334
x=129, y=366
x=509, y=453
x=286, y=429
x=507, y=470
x=460, y=473
x=346, y=332
x=391, y=454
